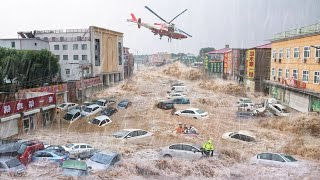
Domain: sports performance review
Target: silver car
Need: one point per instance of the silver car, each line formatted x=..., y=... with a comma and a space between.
x=103, y=160
x=181, y=151
x=11, y=166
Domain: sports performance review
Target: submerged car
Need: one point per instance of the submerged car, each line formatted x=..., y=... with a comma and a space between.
x=131, y=133
x=176, y=95
x=56, y=148
x=75, y=168
x=239, y=136
x=192, y=113
x=244, y=100
x=72, y=115
x=181, y=151
x=278, y=110
x=124, y=104
x=165, y=105
x=11, y=167
x=91, y=110
x=77, y=147
x=50, y=155
x=109, y=111
x=274, y=159
x=103, y=160
x=67, y=106
x=100, y=120
x=180, y=101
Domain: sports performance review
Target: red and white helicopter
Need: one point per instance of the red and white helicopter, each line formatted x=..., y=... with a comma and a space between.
x=162, y=29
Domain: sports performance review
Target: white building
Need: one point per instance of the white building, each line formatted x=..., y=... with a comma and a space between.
x=86, y=52
x=24, y=44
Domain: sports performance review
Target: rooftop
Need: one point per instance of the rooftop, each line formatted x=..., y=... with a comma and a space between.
x=298, y=32
x=264, y=46
x=220, y=51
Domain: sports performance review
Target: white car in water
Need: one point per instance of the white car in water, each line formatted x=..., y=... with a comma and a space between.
x=278, y=110
x=67, y=106
x=192, y=113
x=241, y=136
x=131, y=134
x=91, y=110
x=77, y=147
x=176, y=95
x=181, y=151
x=100, y=120
x=274, y=159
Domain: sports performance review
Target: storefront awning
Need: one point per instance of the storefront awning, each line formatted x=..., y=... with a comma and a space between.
x=10, y=118
x=31, y=112
x=48, y=107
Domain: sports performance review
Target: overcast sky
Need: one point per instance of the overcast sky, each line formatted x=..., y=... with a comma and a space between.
x=214, y=23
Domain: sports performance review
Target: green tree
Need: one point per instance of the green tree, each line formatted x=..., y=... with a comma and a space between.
x=205, y=50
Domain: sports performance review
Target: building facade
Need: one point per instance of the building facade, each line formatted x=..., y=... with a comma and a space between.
x=214, y=62
x=128, y=61
x=258, y=68
x=233, y=63
x=295, y=68
x=87, y=52
x=24, y=44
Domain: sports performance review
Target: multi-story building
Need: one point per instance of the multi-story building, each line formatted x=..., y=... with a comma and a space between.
x=87, y=52
x=258, y=68
x=295, y=68
x=128, y=62
x=213, y=62
x=234, y=63
x=188, y=59
x=160, y=58
x=24, y=44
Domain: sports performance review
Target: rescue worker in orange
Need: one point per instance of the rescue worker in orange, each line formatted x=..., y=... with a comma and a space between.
x=180, y=129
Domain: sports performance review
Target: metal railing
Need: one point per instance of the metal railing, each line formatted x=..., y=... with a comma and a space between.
x=314, y=28
x=57, y=31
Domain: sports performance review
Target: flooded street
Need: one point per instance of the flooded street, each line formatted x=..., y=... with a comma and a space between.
x=140, y=158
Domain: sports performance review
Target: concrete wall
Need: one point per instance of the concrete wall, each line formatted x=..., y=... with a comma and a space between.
x=25, y=44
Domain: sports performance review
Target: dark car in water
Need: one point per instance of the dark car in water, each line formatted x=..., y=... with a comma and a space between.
x=124, y=104
x=180, y=101
x=109, y=111
x=165, y=105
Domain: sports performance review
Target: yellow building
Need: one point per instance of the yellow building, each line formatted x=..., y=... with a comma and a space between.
x=295, y=68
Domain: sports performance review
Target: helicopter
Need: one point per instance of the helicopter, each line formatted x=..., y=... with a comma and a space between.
x=162, y=29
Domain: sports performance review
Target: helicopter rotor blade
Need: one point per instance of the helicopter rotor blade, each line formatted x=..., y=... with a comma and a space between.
x=177, y=16
x=155, y=14
x=185, y=33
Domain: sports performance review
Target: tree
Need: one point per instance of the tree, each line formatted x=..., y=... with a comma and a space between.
x=29, y=68
x=205, y=50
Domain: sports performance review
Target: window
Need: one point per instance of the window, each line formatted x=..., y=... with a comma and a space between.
x=67, y=71
x=58, y=57
x=274, y=54
x=273, y=73
x=83, y=146
x=176, y=147
x=281, y=54
x=65, y=57
x=84, y=46
x=316, y=77
x=266, y=156
x=280, y=73
x=305, y=76
x=140, y=133
x=65, y=47
x=187, y=148
x=317, y=53
x=288, y=53
x=2, y=166
x=56, y=47
x=53, y=38
x=84, y=57
x=89, y=146
x=13, y=44
x=295, y=74
x=61, y=39
x=133, y=134
x=306, y=52
x=75, y=47
x=35, y=44
x=77, y=147
x=287, y=73
x=75, y=57
x=120, y=53
x=276, y=157
x=45, y=38
x=296, y=53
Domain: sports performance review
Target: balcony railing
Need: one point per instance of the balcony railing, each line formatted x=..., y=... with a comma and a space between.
x=57, y=31
x=314, y=28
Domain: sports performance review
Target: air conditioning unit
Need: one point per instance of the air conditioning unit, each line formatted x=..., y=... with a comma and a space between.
x=274, y=78
x=279, y=60
x=279, y=79
x=318, y=60
x=275, y=60
x=304, y=60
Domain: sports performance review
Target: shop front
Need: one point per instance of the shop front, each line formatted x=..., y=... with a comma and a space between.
x=9, y=126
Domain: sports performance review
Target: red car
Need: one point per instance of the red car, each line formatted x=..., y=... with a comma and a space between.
x=21, y=150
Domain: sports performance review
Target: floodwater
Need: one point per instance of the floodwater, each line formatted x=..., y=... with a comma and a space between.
x=140, y=158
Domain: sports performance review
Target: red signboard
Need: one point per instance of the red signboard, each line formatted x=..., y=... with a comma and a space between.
x=294, y=83
x=26, y=104
x=88, y=82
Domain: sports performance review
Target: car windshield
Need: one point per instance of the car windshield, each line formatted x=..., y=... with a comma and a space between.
x=120, y=134
x=99, y=103
x=247, y=101
x=68, y=116
x=101, y=158
x=200, y=111
x=14, y=162
x=22, y=149
x=95, y=121
x=289, y=158
x=69, y=145
x=122, y=104
x=87, y=109
x=74, y=172
x=63, y=105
